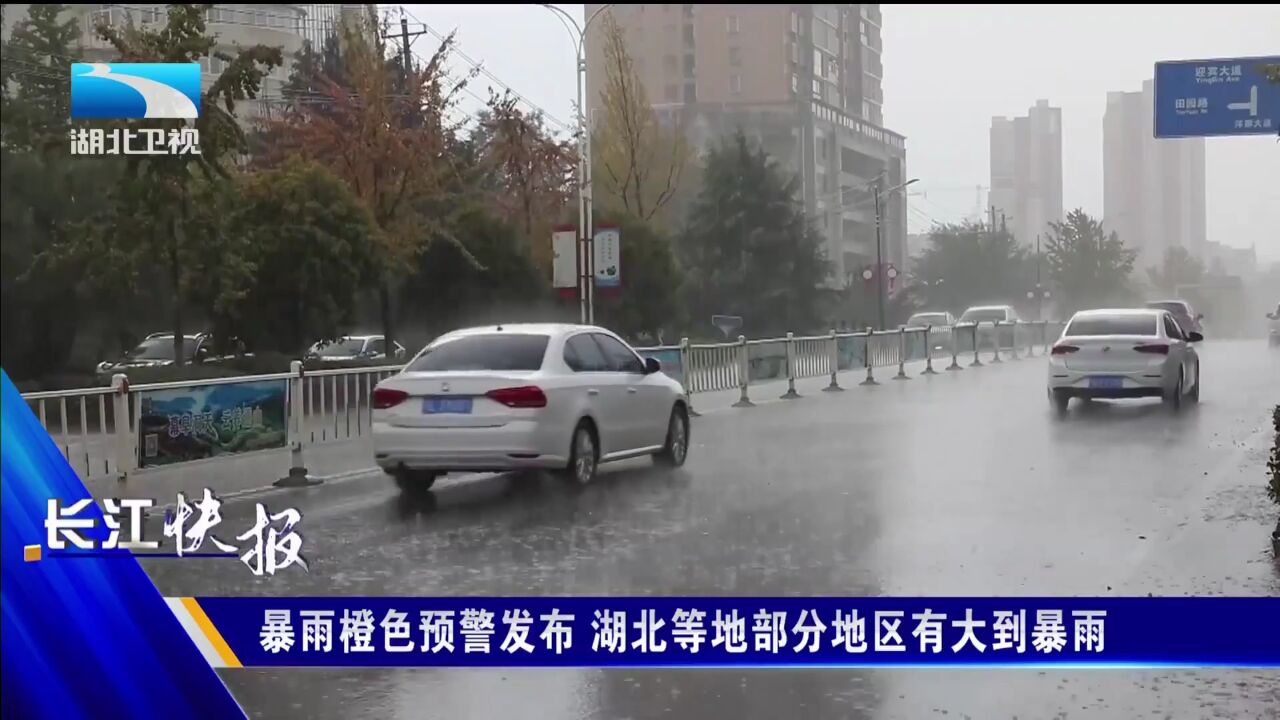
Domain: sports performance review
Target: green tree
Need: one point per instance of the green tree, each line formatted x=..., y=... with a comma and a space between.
x=156, y=218
x=748, y=247
x=1088, y=266
x=969, y=264
x=311, y=250
x=1178, y=267
x=495, y=280
x=46, y=195
x=647, y=305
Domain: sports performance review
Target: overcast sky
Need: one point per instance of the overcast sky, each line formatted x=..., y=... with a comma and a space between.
x=949, y=68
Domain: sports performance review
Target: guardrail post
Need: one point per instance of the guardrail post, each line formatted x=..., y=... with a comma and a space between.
x=744, y=373
x=1031, y=340
x=1013, y=352
x=791, y=393
x=866, y=356
x=686, y=368
x=834, y=359
x=928, y=353
x=995, y=342
x=125, y=442
x=902, y=355
x=297, y=476
x=955, y=350
x=977, y=361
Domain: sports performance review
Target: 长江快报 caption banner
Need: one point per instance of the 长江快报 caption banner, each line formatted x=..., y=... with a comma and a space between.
x=737, y=632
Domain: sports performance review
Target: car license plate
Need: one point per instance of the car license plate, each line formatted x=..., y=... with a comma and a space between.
x=1106, y=383
x=442, y=405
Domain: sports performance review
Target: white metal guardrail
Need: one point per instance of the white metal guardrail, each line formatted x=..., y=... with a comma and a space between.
x=96, y=429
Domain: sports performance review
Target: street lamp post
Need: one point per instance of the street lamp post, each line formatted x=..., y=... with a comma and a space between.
x=586, y=249
x=880, y=245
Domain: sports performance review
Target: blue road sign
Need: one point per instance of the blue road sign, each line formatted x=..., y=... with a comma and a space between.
x=1204, y=98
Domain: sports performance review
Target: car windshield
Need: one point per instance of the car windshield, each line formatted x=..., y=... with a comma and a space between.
x=504, y=351
x=986, y=315
x=925, y=319
x=346, y=347
x=161, y=348
x=1112, y=325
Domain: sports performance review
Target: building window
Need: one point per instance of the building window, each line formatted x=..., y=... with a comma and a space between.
x=672, y=94
x=795, y=83
x=731, y=22
x=669, y=65
x=688, y=34
x=795, y=22
x=689, y=65
x=735, y=57
x=735, y=84
x=690, y=93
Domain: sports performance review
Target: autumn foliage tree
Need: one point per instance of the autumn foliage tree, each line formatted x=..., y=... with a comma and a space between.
x=385, y=128
x=531, y=171
x=637, y=163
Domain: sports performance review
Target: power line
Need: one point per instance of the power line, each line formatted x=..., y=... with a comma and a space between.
x=487, y=73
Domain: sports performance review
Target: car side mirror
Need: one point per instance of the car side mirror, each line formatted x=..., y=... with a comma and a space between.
x=652, y=365
x=1194, y=337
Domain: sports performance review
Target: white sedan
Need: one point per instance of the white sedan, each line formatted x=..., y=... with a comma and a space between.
x=556, y=397
x=1124, y=354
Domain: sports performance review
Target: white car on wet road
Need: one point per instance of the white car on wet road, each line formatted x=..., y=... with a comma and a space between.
x=556, y=397
x=1124, y=354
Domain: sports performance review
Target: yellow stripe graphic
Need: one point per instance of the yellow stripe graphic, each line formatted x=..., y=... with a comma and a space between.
x=210, y=632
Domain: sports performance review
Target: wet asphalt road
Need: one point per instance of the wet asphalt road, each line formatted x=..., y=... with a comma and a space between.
x=958, y=484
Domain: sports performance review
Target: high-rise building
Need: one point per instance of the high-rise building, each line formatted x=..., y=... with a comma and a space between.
x=1026, y=171
x=802, y=80
x=282, y=26
x=1153, y=190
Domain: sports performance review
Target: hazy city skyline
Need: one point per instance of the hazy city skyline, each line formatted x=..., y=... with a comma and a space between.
x=949, y=69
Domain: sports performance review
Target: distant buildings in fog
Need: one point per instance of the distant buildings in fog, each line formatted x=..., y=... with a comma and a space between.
x=1026, y=171
x=1153, y=190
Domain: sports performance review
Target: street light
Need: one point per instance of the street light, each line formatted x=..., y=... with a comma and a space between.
x=880, y=244
x=586, y=250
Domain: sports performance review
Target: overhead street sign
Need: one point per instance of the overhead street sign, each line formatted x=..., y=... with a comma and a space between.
x=1206, y=98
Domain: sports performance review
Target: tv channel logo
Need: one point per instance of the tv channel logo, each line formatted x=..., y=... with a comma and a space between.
x=116, y=91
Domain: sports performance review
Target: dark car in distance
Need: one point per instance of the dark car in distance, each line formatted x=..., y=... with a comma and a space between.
x=1187, y=318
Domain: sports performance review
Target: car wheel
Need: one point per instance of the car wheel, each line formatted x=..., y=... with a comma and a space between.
x=1194, y=395
x=414, y=480
x=583, y=456
x=1174, y=400
x=676, y=448
x=1060, y=401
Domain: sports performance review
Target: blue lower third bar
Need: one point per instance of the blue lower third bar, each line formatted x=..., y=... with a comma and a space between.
x=1095, y=633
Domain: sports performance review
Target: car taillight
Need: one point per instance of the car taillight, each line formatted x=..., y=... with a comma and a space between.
x=527, y=396
x=384, y=398
x=1064, y=349
x=1153, y=349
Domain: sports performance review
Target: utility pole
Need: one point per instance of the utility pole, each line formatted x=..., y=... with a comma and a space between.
x=586, y=240
x=406, y=69
x=879, y=260
x=1039, y=294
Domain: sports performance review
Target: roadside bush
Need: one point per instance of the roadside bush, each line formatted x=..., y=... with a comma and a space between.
x=1273, y=488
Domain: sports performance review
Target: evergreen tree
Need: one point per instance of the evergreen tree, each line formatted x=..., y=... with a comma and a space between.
x=748, y=247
